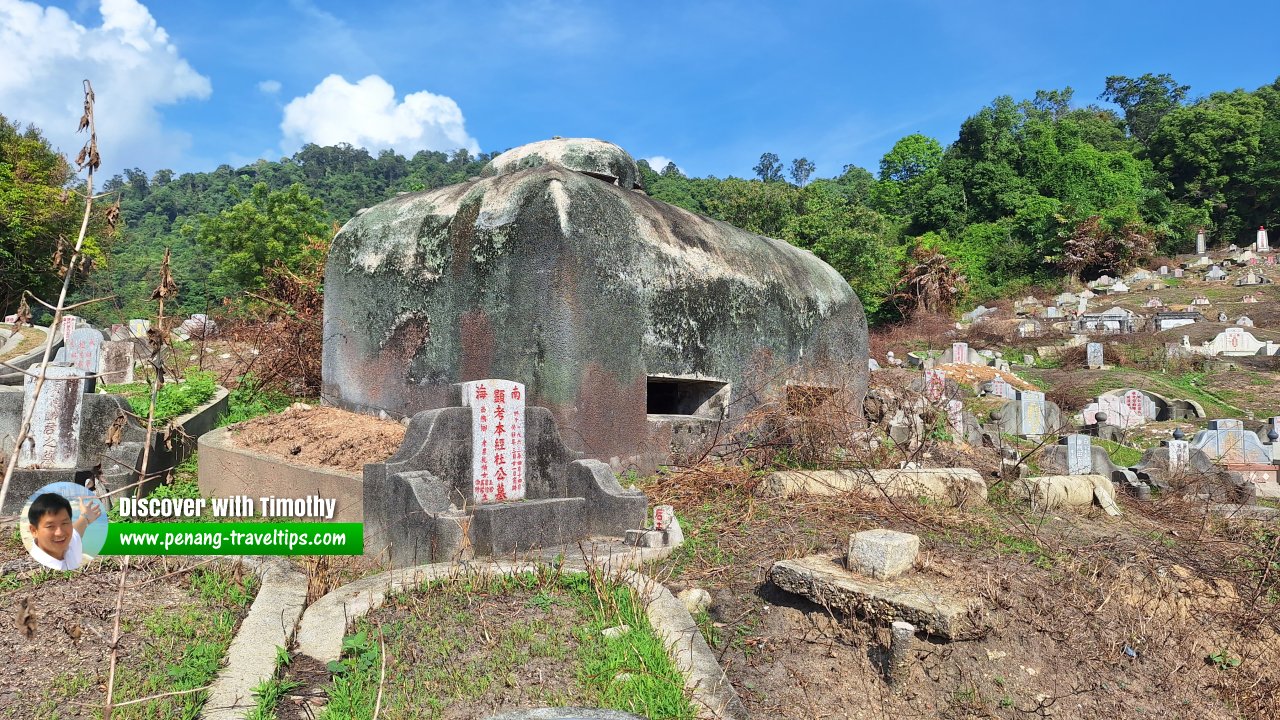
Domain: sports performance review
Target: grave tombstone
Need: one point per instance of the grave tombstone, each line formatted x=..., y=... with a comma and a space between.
x=1094, y=354
x=1200, y=242
x=54, y=438
x=1031, y=413
x=84, y=351
x=117, y=362
x=1271, y=260
x=955, y=419
x=497, y=439
x=1179, y=454
x=1222, y=316
x=1079, y=454
x=1245, y=321
x=935, y=384
x=11, y=319
x=68, y=325
x=1215, y=273
x=1249, y=299
x=1000, y=387
x=139, y=328
x=1200, y=300
x=1154, y=303
x=1262, y=244
x=960, y=353
x=1177, y=272
x=1083, y=307
x=119, y=331
x=1164, y=269
x=662, y=516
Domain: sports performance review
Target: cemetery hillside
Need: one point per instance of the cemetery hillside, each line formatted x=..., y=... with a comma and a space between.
x=991, y=430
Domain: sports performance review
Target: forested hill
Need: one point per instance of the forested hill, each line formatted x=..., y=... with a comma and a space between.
x=1028, y=192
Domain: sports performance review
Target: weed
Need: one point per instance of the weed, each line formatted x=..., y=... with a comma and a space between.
x=1223, y=660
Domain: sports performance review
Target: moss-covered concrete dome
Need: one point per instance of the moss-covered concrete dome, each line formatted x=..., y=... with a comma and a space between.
x=596, y=158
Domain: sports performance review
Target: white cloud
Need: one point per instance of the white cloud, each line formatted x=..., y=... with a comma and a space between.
x=366, y=114
x=270, y=87
x=133, y=66
x=659, y=162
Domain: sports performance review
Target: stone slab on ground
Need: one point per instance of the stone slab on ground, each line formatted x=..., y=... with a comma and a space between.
x=955, y=486
x=883, y=554
x=1048, y=492
x=821, y=579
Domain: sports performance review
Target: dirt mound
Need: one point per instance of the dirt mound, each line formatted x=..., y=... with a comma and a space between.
x=323, y=436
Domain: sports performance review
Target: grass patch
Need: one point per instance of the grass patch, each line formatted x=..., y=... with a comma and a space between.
x=1121, y=455
x=249, y=400
x=173, y=400
x=469, y=644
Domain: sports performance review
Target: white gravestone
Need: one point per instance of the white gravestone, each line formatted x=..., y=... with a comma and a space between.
x=68, y=325
x=662, y=515
x=1094, y=355
x=1200, y=243
x=1179, y=455
x=1263, y=245
x=497, y=439
x=139, y=328
x=1079, y=454
x=935, y=384
x=960, y=353
x=54, y=439
x=1177, y=272
x=1000, y=387
x=11, y=319
x=955, y=419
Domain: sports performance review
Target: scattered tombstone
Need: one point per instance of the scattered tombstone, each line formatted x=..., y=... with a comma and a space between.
x=1139, y=403
x=960, y=353
x=872, y=364
x=11, y=319
x=1244, y=321
x=117, y=362
x=1250, y=298
x=1179, y=452
x=1164, y=269
x=1154, y=303
x=955, y=419
x=1227, y=442
x=935, y=384
x=1087, y=294
x=138, y=328
x=1079, y=454
x=1001, y=388
x=1118, y=287
x=1200, y=300
x=1031, y=413
x=54, y=437
x=1233, y=247
x=1262, y=244
x=1065, y=298
x=199, y=326
x=497, y=439
x=1104, y=281
x=1028, y=360
x=1094, y=356
x=1113, y=320
x=84, y=352
x=69, y=324
x=1271, y=260
x=1252, y=278
x=893, y=361
x=1215, y=273
x=976, y=314
x=119, y=331
x=1222, y=316
x=1178, y=272
x=1111, y=410
x=1058, y=491
x=1200, y=242
x=1052, y=312
x=1139, y=276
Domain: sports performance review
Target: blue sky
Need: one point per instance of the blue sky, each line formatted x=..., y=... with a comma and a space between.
x=711, y=85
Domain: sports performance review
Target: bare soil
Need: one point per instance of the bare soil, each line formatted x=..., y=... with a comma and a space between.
x=58, y=628
x=322, y=436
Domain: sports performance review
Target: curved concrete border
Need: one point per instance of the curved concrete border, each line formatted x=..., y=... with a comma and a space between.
x=325, y=623
x=251, y=658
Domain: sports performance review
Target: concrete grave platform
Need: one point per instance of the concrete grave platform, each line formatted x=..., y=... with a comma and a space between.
x=226, y=469
x=824, y=580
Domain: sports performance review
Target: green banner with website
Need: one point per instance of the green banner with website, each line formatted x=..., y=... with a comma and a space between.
x=235, y=538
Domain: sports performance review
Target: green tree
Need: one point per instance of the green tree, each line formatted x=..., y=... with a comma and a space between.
x=769, y=169
x=269, y=227
x=1145, y=100
x=35, y=211
x=801, y=169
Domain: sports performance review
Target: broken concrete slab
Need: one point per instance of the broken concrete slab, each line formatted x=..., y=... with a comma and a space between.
x=957, y=487
x=823, y=580
x=1049, y=492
